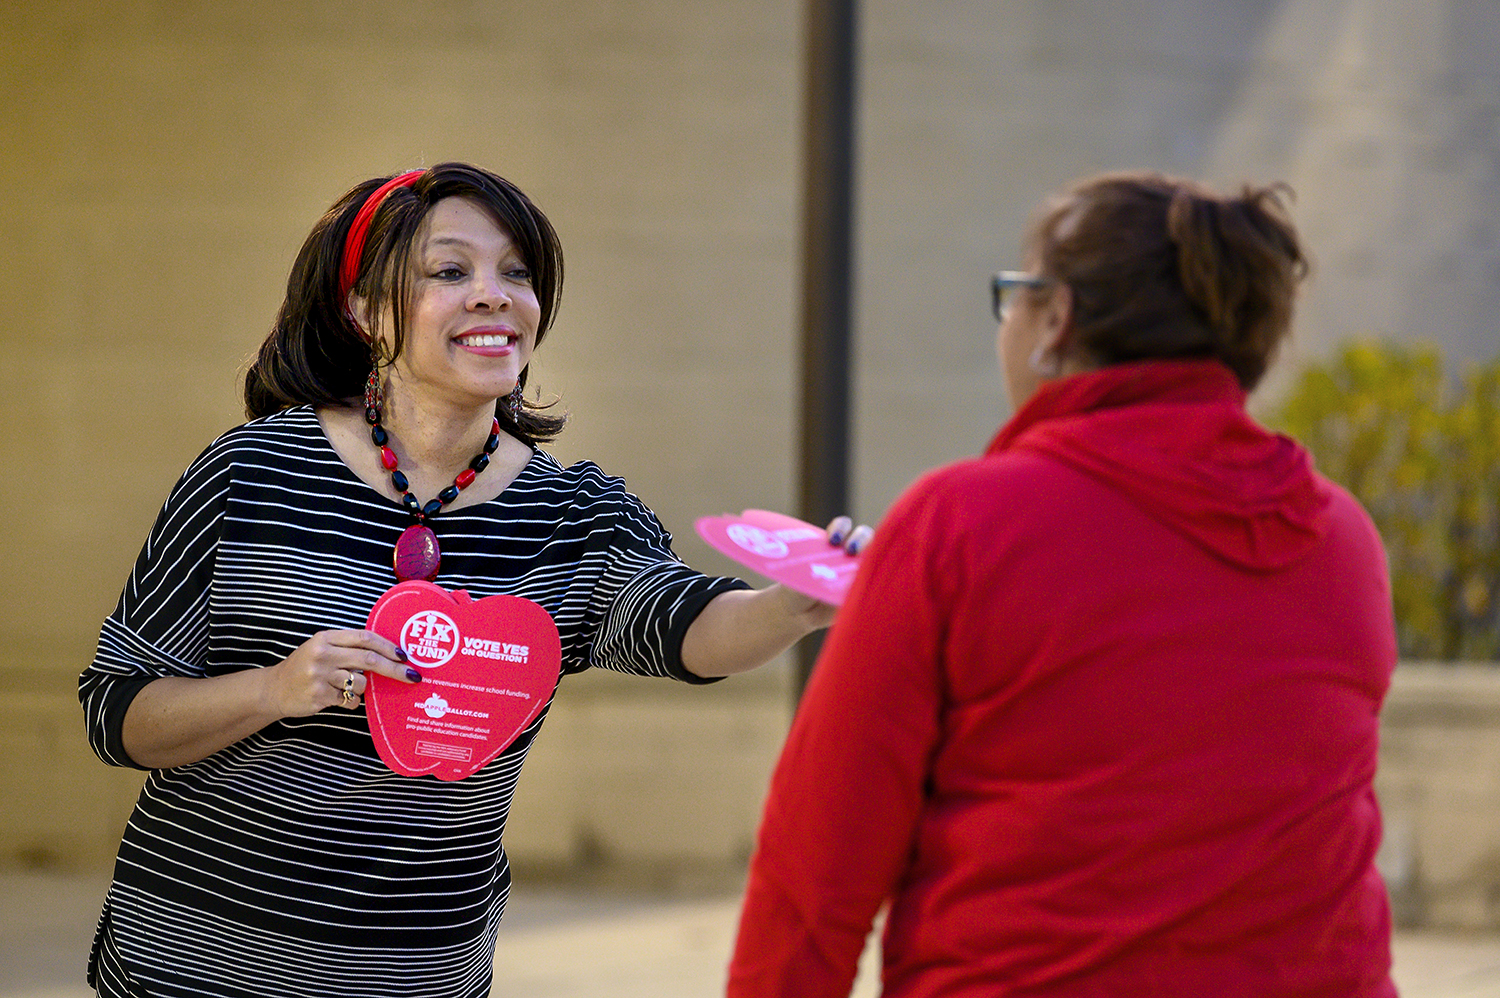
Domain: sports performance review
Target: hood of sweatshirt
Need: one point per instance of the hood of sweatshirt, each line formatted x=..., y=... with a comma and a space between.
x=1174, y=437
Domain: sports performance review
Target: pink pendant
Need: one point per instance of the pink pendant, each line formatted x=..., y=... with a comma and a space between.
x=417, y=555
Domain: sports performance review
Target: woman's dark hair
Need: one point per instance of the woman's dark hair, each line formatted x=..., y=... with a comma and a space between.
x=316, y=354
x=1161, y=267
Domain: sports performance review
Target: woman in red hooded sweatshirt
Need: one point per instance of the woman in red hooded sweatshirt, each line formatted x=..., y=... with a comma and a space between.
x=1099, y=717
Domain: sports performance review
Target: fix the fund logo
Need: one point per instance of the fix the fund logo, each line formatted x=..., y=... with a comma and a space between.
x=430, y=638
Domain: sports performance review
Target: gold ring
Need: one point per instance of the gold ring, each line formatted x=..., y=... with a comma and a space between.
x=348, y=683
x=348, y=699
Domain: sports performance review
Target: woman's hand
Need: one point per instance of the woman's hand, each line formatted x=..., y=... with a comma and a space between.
x=328, y=670
x=815, y=613
x=740, y=630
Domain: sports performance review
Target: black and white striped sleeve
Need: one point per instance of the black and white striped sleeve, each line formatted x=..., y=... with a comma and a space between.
x=160, y=625
x=654, y=600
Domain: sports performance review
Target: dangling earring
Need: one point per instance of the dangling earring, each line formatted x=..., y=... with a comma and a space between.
x=1045, y=362
x=513, y=403
x=374, y=395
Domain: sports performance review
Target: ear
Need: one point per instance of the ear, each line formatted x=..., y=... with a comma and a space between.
x=358, y=310
x=1057, y=321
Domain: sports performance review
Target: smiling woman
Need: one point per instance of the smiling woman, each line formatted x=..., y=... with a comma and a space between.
x=474, y=313
x=273, y=852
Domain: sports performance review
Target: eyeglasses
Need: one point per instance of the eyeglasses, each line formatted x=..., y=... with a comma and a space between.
x=1003, y=289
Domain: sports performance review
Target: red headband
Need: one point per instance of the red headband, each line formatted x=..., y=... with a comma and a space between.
x=354, y=243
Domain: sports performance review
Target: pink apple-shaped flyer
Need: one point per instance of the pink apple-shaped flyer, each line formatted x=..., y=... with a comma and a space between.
x=784, y=549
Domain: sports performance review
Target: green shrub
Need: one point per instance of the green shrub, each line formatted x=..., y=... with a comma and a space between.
x=1421, y=451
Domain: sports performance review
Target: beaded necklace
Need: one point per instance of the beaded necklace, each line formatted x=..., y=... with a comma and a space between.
x=417, y=555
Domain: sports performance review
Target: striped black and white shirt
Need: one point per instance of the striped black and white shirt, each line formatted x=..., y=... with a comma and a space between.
x=294, y=863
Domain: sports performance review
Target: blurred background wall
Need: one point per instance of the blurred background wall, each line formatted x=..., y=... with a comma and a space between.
x=166, y=159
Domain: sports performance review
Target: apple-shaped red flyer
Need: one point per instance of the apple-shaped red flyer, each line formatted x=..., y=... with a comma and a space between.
x=488, y=668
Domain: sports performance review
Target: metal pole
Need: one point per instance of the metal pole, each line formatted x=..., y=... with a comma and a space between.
x=827, y=271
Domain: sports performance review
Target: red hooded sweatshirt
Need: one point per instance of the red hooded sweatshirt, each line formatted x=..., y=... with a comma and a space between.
x=1099, y=718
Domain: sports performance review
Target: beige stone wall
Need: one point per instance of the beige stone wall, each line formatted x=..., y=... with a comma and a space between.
x=164, y=160
x=632, y=780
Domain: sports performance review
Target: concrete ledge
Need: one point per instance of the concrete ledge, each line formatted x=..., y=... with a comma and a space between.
x=1439, y=787
x=1458, y=693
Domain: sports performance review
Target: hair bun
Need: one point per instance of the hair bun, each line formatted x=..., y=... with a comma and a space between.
x=1161, y=267
x=1238, y=261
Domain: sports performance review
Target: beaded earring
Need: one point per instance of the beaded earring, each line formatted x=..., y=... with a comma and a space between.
x=513, y=403
x=374, y=397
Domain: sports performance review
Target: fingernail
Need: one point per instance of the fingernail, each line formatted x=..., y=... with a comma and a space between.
x=413, y=675
x=400, y=654
x=836, y=538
